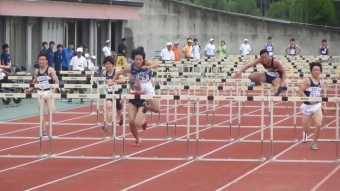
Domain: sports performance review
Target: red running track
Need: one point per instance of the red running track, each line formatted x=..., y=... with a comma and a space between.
x=80, y=174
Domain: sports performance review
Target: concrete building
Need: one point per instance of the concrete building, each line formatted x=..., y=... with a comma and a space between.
x=24, y=25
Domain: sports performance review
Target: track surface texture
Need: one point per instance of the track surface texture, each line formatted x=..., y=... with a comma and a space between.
x=238, y=138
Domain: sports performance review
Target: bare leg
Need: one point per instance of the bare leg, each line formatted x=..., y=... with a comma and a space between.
x=277, y=86
x=152, y=106
x=108, y=112
x=132, y=117
x=318, y=123
x=140, y=118
x=51, y=108
x=306, y=123
x=306, y=126
x=257, y=78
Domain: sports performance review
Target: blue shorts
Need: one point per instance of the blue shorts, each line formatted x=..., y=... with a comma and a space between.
x=270, y=79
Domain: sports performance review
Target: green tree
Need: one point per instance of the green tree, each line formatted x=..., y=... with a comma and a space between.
x=320, y=12
x=280, y=9
x=247, y=7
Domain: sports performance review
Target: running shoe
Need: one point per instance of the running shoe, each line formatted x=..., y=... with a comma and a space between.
x=144, y=107
x=251, y=84
x=304, y=135
x=132, y=83
x=105, y=127
x=137, y=143
x=44, y=134
x=278, y=91
x=313, y=146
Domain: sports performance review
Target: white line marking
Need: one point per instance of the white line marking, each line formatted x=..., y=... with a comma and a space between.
x=263, y=164
x=93, y=143
x=35, y=115
x=82, y=172
x=326, y=178
x=185, y=164
x=29, y=128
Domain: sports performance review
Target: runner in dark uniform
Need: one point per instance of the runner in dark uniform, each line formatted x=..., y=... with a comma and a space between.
x=109, y=73
x=45, y=76
x=274, y=75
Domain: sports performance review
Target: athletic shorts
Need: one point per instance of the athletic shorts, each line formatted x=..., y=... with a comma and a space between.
x=309, y=109
x=270, y=78
x=137, y=102
x=118, y=105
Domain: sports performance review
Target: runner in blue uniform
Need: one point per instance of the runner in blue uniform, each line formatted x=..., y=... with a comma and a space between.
x=109, y=73
x=311, y=87
x=269, y=46
x=141, y=70
x=45, y=76
x=275, y=74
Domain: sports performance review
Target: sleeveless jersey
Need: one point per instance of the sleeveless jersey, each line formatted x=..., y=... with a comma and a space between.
x=44, y=79
x=272, y=70
x=314, y=90
x=144, y=75
x=111, y=90
x=324, y=50
x=269, y=47
x=292, y=50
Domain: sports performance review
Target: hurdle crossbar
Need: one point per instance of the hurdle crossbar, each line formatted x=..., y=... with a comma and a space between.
x=159, y=158
x=86, y=157
x=25, y=156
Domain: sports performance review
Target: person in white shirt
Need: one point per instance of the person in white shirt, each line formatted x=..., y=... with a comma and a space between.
x=196, y=48
x=78, y=63
x=210, y=48
x=91, y=63
x=210, y=51
x=107, y=49
x=167, y=54
x=245, y=48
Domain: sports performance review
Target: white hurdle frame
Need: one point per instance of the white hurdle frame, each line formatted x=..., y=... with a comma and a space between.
x=188, y=140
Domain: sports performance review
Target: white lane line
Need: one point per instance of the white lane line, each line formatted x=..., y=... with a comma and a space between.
x=88, y=170
x=326, y=178
x=263, y=164
x=185, y=164
x=94, y=143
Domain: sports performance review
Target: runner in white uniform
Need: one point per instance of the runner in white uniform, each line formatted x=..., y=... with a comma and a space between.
x=274, y=75
x=141, y=70
x=311, y=87
x=45, y=76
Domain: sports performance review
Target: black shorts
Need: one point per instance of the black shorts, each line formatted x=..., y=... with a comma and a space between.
x=137, y=102
x=118, y=105
x=270, y=79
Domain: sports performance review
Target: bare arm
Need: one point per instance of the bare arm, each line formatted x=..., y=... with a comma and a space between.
x=299, y=49
x=120, y=79
x=287, y=49
x=253, y=63
x=279, y=65
x=54, y=77
x=29, y=90
x=329, y=51
x=121, y=72
x=305, y=84
x=250, y=64
x=151, y=64
x=319, y=50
